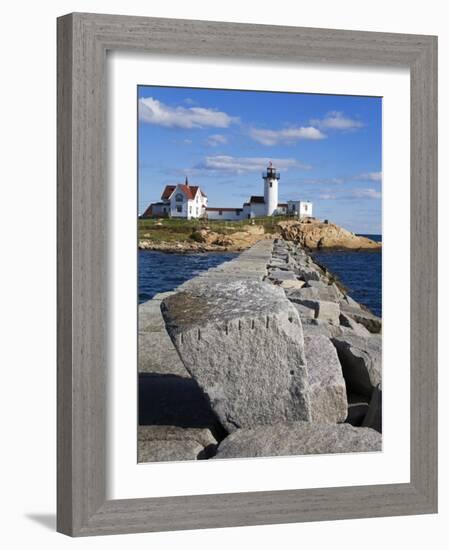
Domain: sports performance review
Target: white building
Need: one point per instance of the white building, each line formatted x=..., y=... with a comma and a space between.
x=231, y=214
x=179, y=201
x=188, y=201
x=302, y=209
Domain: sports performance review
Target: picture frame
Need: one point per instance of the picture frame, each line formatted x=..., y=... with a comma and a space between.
x=83, y=41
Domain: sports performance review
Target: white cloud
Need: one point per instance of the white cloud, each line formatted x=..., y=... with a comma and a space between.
x=242, y=165
x=366, y=194
x=287, y=135
x=216, y=139
x=370, y=176
x=336, y=120
x=324, y=181
x=153, y=111
x=327, y=197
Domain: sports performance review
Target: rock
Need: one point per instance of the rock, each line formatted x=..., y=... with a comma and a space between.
x=314, y=327
x=317, y=284
x=326, y=293
x=328, y=400
x=299, y=438
x=328, y=311
x=370, y=321
x=315, y=234
x=304, y=312
x=349, y=322
x=157, y=353
x=168, y=400
x=290, y=284
x=325, y=311
x=162, y=451
x=308, y=274
x=278, y=276
x=172, y=448
x=160, y=443
x=361, y=360
x=373, y=418
x=243, y=343
x=350, y=302
x=357, y=409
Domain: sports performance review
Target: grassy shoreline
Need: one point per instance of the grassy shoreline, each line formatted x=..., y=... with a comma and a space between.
x=182, y=230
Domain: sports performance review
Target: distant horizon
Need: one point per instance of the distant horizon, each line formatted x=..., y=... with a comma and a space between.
x=326, y=147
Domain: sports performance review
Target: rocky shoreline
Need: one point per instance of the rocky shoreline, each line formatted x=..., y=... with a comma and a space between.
x=311, y=234
x=264, y=355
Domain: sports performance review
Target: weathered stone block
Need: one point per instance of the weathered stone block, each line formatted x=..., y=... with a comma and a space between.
x=309, y=273
x=358, y=328
x=156, y=352
x=288, y=285
x=162, y=443
x=326, y=293
x=299, y=438
x=328, y=400
x=304, y=312
x=328, y=311
x=373, y=418
x=317, y=284
x=243, y=344
x=324, y=311
x=361, y=359
x=278, y=276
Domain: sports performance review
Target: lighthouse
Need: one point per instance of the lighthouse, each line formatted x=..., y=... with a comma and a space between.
x=270, y=178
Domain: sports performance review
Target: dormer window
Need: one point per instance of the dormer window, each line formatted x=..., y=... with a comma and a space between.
x=179, y=197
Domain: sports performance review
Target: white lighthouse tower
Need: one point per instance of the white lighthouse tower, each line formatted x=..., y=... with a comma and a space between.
x=271, y=178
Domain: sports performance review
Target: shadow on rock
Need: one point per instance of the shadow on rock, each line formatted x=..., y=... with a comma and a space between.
x=170, y=400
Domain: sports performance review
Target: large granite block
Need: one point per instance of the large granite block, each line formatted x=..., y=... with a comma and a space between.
x=299, y=438
x=243, y=343
x=328, y=401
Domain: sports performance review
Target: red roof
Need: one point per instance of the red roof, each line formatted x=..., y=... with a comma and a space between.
x=148, y=212
x=282, y=205
x=256, y=199
x=189, y=190
x=168, y=191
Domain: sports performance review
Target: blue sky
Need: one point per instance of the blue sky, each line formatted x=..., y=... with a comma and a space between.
x=328, y=148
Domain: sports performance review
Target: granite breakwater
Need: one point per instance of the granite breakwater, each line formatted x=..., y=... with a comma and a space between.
x=262, y=355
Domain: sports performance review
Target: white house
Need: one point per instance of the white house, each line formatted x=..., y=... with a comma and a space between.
x=189, y=201
x=302, y=209
x=179, y=201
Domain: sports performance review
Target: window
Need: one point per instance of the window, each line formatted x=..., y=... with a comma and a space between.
x=271, y=184
x=190, y=209
x=305, y=208
x=179, y=197
x=220, y=212
x=237, y=212
x=179, y=209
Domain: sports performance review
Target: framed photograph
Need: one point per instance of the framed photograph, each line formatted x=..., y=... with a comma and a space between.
x=247, y=274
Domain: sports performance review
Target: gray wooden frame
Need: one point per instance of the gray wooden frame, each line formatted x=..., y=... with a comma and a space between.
x=83, y=40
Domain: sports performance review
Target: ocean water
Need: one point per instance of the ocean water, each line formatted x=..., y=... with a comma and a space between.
x=359, y=271
x=161, y=272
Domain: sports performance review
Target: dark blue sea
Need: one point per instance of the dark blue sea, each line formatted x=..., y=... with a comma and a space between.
x=161, y=271
x=359, y=271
